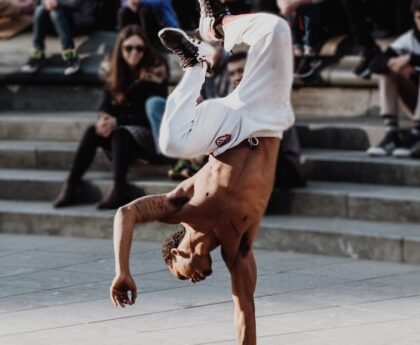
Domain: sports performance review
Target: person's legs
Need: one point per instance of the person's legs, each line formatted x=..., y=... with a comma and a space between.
x=361, y=30
x=218, y=124
x=155, y=107
x=37, y=54
x=124, y=150
x=81, y=163
x=170, y=17
x=393, y=87
x=310, y=62
x=40, y=27
x=388, y=100
x=180, y=113
x=61, y=19
x=86, y=153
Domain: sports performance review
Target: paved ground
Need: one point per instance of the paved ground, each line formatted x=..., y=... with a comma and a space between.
x=54, y=290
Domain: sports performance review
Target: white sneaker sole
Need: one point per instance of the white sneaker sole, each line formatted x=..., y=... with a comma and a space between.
x=377, y=152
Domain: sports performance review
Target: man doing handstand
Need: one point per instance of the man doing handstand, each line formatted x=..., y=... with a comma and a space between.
x=222, y=205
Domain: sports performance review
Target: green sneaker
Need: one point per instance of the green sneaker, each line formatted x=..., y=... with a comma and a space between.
x=72, y=62
x=35, y=61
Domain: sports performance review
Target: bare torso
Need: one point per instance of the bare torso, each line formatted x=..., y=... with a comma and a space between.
x=229, y=195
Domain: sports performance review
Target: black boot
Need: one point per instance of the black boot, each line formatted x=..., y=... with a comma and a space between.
x=68, y=195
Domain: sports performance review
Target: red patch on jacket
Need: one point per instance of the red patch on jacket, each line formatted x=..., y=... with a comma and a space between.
x=223, y=140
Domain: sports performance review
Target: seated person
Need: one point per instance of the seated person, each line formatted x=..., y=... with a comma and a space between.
x=398, y=68
x=59, y=13
x=163, y=11
x=123, y=128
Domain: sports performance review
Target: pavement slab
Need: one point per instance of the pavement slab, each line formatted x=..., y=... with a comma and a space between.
x=58, y=294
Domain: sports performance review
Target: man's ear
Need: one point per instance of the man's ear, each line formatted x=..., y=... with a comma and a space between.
x=174, y=252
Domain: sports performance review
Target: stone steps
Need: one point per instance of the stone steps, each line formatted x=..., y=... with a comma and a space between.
x=319, y=199
x=356, y=166
x=323, y=165
x=325, y=133
x=356, y=239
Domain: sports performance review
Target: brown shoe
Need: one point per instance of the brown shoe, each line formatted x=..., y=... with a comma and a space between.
x=68, y=196
x=120, y=195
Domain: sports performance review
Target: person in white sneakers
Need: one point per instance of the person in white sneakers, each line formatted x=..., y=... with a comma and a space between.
x=399, y=68
x=222, y=205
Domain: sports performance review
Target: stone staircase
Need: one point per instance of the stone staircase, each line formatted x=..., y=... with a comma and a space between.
x=354, y=206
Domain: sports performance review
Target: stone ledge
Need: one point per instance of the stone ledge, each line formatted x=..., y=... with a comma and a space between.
x=347, y=238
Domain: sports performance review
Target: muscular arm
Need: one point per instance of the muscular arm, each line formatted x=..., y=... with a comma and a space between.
x=154, y=207
x=243, y=273
x=146, y=209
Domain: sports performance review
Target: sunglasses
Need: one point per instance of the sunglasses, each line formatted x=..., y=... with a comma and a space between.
x=130, y=48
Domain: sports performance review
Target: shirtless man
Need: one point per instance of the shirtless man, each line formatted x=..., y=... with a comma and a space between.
x=222, y=205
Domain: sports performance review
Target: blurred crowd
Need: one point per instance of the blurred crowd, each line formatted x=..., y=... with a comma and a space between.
x=137, y=79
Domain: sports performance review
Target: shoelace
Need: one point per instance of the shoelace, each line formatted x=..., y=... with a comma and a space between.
x=188, y=53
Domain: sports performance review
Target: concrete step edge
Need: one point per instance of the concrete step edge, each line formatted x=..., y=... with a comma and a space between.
x=372, y=240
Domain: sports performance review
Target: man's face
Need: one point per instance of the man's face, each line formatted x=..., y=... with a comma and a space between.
x=187, y=266
x=417, y=19
x=236, y=71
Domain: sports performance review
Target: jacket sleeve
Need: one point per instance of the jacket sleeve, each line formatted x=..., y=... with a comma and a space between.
x=106, y=105
x=379, y=63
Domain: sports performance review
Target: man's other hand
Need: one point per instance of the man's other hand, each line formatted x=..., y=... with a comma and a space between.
x=120, y=288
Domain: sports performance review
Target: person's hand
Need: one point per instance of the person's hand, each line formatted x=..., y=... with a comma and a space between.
x=133, y=5
x=397, y=64
x=105, y=125
x=50, y=5
x=120, y=288
x=407, y=71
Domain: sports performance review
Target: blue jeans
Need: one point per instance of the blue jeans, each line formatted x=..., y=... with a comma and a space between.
x=164, y=8
x=311, y=22
x=60, y=18
x=155, y=107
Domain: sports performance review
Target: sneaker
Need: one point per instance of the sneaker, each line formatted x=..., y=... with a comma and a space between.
x=191, y=51
x=190, y=170
x=211, y=17
x=407, y=145
x=363, y=68
x=388, y=144
x=307, y=67
x=72, y=62
x=35, y=62
x=175, y=173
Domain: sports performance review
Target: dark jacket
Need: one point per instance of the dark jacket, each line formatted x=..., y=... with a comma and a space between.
x=132, y=110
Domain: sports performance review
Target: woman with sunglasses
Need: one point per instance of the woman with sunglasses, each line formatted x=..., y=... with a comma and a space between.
x=137, y=74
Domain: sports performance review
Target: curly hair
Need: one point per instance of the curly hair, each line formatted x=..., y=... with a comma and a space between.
x=170, y=242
